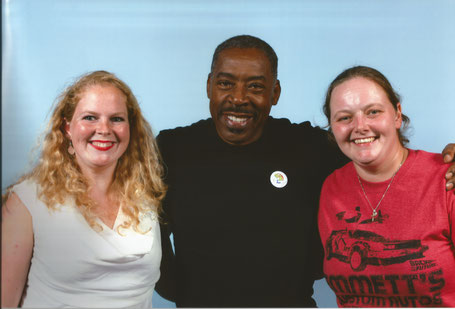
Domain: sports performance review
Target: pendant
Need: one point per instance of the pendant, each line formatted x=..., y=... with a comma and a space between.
x=374, y=214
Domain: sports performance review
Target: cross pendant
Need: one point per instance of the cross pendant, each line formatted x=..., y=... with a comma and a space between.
x=374, y=214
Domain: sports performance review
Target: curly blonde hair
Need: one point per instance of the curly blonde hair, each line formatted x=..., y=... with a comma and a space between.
x=138, y=174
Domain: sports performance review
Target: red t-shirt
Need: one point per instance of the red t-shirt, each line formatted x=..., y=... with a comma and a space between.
x=406, y=256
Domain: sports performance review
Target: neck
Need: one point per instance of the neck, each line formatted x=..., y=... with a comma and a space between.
x=100, y=180
x=106, y=204
x=384, y=171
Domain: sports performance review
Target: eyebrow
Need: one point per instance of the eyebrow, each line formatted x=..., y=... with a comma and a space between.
x=348, y=111
x=96, y=113
x=231, y=76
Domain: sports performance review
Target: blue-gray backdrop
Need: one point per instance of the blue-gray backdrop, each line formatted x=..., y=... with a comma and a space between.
x=163, y=49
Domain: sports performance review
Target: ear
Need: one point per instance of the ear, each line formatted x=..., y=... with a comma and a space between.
x=209, y=84
x=276, y=92
x=398, y=117
x=66, y=128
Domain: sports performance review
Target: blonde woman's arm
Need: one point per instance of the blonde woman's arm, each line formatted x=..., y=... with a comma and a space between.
x=17, y=247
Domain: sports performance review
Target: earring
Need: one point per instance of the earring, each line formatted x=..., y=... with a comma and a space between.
x=71, y=149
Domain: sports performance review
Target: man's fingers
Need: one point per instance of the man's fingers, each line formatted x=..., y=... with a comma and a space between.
x=450, y=176
x=449, y=153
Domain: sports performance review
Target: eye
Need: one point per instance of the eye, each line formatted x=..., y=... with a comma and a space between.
x=89, y=118
x=374, y=112
x=343, y=118
x=225, y=84
x=117, y=119
x=256, y=86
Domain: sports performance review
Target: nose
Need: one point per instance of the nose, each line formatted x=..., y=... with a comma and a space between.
x=239, y=95
x=360, y=123
x=103, y=126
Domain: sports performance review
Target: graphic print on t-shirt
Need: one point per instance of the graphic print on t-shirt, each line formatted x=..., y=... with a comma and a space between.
x=366, y=252
x=361, y=248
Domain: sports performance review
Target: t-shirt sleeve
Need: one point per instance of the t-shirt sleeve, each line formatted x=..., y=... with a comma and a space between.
x=27, y=193
x=451, y=212
x=166, y=285
x=317, y=254
x=162, y=145
x=323, y=211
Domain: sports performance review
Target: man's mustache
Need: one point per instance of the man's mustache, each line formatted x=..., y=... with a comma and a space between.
x=239, y=110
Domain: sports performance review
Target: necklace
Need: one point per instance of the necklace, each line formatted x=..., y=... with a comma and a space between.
x=374, y=213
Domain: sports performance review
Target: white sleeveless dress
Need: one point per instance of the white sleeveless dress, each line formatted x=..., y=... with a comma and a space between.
x=75, y=266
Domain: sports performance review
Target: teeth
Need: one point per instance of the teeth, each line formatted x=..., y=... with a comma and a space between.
x=237, y=119
x=99, y=144
x=364, y=140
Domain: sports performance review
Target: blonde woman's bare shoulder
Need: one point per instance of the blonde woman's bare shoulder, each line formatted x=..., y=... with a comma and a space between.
x=14, y=207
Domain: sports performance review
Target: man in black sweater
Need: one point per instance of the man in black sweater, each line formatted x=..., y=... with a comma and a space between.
x=243, y=192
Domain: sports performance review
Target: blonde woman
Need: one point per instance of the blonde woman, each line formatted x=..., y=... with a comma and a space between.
x=81, y=229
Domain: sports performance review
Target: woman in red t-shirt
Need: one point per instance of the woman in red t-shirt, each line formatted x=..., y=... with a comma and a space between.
x=385, y=219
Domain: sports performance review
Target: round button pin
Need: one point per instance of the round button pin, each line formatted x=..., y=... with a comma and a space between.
x=278, y=179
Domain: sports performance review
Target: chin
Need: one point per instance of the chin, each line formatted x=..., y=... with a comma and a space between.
x=232, y=137
x=234, y=141
x=364, y=160
x=365, y=155
x=102, y=163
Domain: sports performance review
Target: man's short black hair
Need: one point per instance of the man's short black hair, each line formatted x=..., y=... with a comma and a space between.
x=248, y=41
